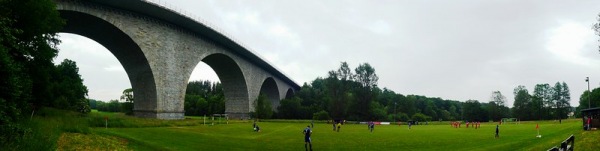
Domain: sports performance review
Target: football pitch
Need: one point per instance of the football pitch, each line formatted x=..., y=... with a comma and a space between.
x=288, y=136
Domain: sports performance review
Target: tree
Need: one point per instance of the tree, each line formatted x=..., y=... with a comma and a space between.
x=262, y=107
x=127, y=96
x=365, y=75
x=454, y=113
x=596, y=28
x=204, y=98
x=430, y=109
x=408, y=105
x=594, y=98
x=496, y=106
x=290, y=108
x=420, y=117
x=27, y=46
x=67, y=89
x=344, y=72
x=564, y=100
x=521, y=109
x=377, y=111
x=367, y=79
x=336, y=93
x=445, y=115
x=543, y=94
x=321, y=115
x=473, y=111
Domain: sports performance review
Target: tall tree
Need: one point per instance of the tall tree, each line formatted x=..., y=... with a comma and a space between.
x=408, y=105
x=556, y=97
x=496, y=105
x=344, y=72
x=543, y=94
x=262, y=107
x=366, y=77
x=564, y=103
x=336, y=93
x=68, y=91
x=127, y=96
x=521, y=109
x=27, y=46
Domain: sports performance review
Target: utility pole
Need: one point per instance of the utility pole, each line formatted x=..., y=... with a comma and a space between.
x=587, y=79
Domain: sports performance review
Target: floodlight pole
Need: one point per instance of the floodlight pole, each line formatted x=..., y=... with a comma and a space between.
x=587, y=79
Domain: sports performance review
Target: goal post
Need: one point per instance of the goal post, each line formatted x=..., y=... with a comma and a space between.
x=510, y=120
x=219, y=119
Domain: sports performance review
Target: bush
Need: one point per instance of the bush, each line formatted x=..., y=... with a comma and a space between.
x=398, y=117
x=403, y=116
x=127, y=107
x=421, y=117
x=321, y=115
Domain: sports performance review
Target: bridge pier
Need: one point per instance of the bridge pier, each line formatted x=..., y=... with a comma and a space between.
x=239, y=116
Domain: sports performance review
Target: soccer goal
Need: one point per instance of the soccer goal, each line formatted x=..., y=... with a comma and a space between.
x=510, y=121
x=219, y=119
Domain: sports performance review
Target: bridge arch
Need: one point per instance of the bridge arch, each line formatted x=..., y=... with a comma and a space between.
x=234, y=84
x=270, y=89
x=159, y=48
x=123, y=48
x=289, y=94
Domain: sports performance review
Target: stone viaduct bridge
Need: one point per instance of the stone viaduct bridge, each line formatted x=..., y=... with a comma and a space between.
x=159, y=48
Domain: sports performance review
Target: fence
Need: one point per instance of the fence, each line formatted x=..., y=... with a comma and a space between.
x=568, y=144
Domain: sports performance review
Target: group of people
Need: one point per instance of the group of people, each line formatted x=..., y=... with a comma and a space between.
x=338, y=124
x=473, y=124
x=457, y=124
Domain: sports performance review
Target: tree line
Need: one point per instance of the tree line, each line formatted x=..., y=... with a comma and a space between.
x=349, y=95
x=354, y=95
x=124, y=104
x=588, y=99
x=545, y=103
x=30, y=79
x=204, y=98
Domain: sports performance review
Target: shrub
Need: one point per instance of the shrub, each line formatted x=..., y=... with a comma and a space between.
x=421, y=117
x=321, y=115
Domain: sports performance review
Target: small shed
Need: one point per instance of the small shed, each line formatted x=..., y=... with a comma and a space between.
x=593, y=113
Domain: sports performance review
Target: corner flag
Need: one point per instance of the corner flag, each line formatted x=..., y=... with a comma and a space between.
x=537, y=127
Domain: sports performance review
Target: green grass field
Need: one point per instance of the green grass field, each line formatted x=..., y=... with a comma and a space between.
x=288, y=136
x=129, y=133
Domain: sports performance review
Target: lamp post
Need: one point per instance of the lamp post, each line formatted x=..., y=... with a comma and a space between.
x=587, y=79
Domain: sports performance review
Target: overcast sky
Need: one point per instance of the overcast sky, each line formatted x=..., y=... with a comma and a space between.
x=458, y=50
